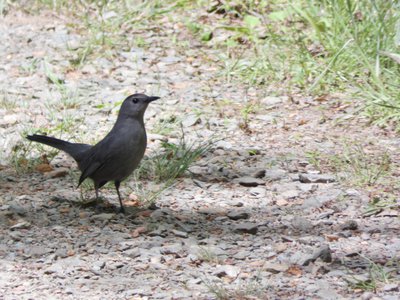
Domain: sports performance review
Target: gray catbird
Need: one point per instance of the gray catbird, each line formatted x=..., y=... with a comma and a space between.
x=116, y=156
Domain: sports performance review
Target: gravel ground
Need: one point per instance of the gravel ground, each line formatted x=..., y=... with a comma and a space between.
x=256, y=219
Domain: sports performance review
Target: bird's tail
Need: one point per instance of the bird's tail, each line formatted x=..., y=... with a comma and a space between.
x=50, y=141
x=74, y=149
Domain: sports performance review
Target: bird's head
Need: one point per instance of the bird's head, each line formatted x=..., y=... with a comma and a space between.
x=135, y=105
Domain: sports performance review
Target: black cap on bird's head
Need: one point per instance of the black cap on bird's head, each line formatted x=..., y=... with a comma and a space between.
x=136, y=104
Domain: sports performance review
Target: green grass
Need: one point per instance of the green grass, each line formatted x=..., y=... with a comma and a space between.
x=355, y=166
x=378, y=275
x=243, y=289
x=311, y=47
x=166, y=165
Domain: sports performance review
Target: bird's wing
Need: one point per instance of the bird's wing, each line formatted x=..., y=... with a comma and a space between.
x=94, y=161
x=90, y=168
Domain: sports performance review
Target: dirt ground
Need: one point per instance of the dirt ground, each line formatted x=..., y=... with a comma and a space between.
x=264, y=214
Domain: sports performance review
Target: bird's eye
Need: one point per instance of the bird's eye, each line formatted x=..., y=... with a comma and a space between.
x=134, y=100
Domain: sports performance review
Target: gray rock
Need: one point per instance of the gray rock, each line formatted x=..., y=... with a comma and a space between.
x=367, y=296
x=59, y=172
x=301, y=223
x=227, y=270
x=37, y=251
x=272, y=101
x=275, y=267
x=316, y=178
x=102, y=217
x=324, y=253
x=175, y=249
x=349, y=225
x=391, y=287
x=18, y=209
x=179, y=233
x=157, y=137
x=242, y=254
x=191, y=120
x=98, y=265
x=223, y=145
x=274, y=175
x=291, y=194
x=132, y=253
x=250, y=181
x=238, y=215
x=258, y=192
x=246, y=228
x=22, y=224
x=319, y=200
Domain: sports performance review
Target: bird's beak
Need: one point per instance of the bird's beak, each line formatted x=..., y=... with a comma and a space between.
x=152, y=98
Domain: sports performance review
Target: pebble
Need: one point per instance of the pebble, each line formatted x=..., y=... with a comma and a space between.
x=238, y=215
x=250, y=228
x=102, y=217
x=349, y=225
x=301, y=223
x=316, y=178
x=179, y=233
x=274, y=175
x=250, y=181
x=227, y=270
x=191, y=120
x=291, y=194
x=57, y=173
x=275, y=267
x=258, y=192
x=390, y=287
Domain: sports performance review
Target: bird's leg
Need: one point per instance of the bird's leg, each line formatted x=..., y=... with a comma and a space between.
x=122, y=209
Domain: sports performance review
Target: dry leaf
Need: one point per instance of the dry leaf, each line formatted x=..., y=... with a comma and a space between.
x=331, y=238
x=64, y=210
x=281, y=202
x=294, y=270
x=302, y=122
x=138, y=231
x=321, y=98
x=43, y=168
x=145, y=213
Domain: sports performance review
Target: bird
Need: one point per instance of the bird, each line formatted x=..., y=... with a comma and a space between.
x=116, y=156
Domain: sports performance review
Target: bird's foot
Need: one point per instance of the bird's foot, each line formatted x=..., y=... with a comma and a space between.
x=122, y=210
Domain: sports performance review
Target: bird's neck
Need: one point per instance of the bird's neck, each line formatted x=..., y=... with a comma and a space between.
x=130, y=118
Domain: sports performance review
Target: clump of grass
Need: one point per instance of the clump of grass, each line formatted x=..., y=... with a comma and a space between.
x=7, y=102
x=68, y=98
x=378, y=276
x=243, y=289
x=173, y=160
x=354, y=165
x=166, y=165
x=360, y=167
x=22, y=160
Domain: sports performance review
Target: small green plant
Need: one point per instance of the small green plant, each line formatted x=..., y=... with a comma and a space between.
x=378, y=275
x=7, y=102
x=354, y=165
x=166, y=125
x=378, y=204
x=360, y=167
x=207, y=255
x=246, y=112
x=173, y=160
x=22, y=160
x=243, y=289
x=68, y=98
x=166, y=165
